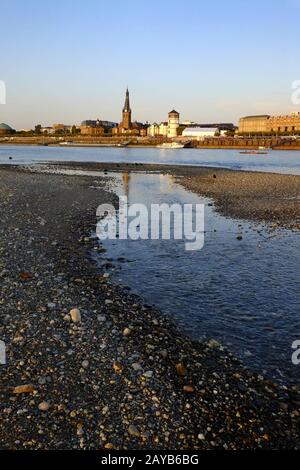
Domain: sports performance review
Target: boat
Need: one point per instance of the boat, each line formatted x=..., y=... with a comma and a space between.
x=170, y=145
x=253, y=152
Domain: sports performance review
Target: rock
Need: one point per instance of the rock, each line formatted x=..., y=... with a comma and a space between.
x=180, y=369
x=117, y=367
x=201, y=437
x=28, y=388
x=108, y=445
x=75, y=315
x=239, y=237
x=188, y=389
x=148, y=374
x=101, y=318
x=164, y=353
x=108, y=302
x=213, y=344
x=85, y=364
x=44, y=406
x=126, y=331
x=136, y=366
x=133, y=431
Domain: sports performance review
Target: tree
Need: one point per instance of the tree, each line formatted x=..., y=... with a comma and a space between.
x=37, y=129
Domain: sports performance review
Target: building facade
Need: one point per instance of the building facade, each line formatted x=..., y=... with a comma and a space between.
x=199, y=133
x=173, y=123
x=266, y=124
x=5, y=129
x=98, y=127
x=126, y=113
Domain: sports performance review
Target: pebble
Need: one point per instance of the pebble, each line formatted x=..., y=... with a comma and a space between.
x=126, y=331
x=28, y=388
x=188, y=389
x=44, y=406
x=180, y=369
x=75, y=315
x=101, y=318
x=148, y=374
x=133, y=431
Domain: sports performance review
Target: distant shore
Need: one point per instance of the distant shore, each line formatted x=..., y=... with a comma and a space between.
x=207, y=143
x=121, y=376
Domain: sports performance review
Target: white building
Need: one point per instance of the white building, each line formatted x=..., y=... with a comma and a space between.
x=200, y=132
x=163, y=129
x=158, y=129
x=173, y=123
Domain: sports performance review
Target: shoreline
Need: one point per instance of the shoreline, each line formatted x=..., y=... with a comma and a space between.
x=123, y=377
x=295, y=148
x=271, y=198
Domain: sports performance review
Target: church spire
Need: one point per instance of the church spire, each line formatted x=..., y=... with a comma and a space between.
x=126, y=108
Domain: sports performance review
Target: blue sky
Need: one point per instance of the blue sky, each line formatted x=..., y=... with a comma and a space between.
x=66, y=61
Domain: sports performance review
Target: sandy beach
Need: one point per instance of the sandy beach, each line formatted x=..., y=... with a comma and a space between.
x=114, y=373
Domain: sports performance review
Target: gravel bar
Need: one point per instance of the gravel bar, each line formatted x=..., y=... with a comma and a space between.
x=88, y=365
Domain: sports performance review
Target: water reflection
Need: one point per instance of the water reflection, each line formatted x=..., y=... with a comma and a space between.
x=243, y=293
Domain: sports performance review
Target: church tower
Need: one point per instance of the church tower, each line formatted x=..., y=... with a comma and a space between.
x=126, y=121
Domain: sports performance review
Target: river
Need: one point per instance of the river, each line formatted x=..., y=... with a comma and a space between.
x=277, y=161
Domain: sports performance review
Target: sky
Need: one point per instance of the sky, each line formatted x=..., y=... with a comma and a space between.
x=66, y=61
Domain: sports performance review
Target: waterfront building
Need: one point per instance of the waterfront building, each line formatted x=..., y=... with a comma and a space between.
x=126, y=126
x=253, y=124
x=199, y=133
x=47, y=130
x=163, y=129
x=126, y=113
x=62, y=128
x=173, y=123
x=266, y=124
x=5, y=129
x=98, y=127
x=155, y=130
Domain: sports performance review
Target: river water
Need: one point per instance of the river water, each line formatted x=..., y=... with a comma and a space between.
x=275, y=161
x=244, y=293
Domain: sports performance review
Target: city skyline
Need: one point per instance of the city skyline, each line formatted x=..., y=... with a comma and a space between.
x=231, y=60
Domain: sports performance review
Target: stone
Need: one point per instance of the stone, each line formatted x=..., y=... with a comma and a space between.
x=75, y=315
x=148, y=374
x=180, y=369
x=133, y=431
x=101, y=318
x=201, y=437
x=163, y=353
x=213, y=344
x=28, y=388
x=126, y=331
x=136, y=366
x=85, y=364
x=108, y=302
x=44, y=406
x=117, y=367
x=188, y=389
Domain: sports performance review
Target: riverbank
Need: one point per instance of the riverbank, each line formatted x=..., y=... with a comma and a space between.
x=260, y=196
x=221, y=143
x=122, y=377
